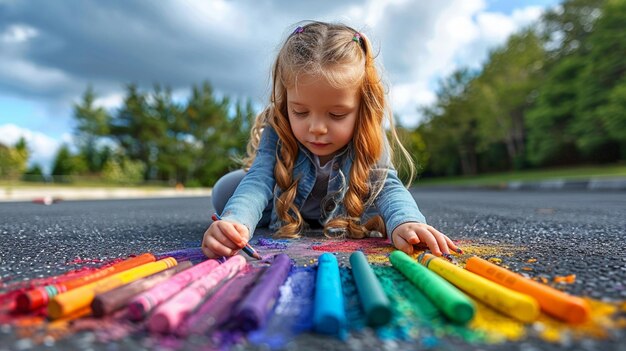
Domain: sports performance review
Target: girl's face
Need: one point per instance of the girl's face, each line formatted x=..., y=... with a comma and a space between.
x=322, y=117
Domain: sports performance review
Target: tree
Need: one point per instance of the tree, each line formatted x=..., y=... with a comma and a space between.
x=121, y=170
x=565, y=28
x=66, y=164
x=13, y=160
x=92, y=123
x=138, y=130
x=34, y=173
x=551, y=140
x=505, y=90
x=450, y=127
x=605, y=71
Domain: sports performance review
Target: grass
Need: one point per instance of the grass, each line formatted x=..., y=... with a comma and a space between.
x=495, y=179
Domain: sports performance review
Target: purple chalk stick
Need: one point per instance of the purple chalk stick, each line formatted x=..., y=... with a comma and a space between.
x=182, y=254
x=168, y=316
x=217, y=310
x=253, y=310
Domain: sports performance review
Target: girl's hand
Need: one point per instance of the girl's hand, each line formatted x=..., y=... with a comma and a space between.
x=224, y=238
x=412, y=233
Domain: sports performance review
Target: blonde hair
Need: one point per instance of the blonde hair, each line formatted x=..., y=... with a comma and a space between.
x=343, y=57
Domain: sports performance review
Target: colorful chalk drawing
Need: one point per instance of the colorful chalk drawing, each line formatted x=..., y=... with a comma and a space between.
x=415, y=319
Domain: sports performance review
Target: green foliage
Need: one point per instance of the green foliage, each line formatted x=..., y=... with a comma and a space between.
x=566, y=27
x=66, y=165
x=34, y=174
x=504, y=92
x=613, y=114
x=450, y=132
x=192, y=143
x=92, y=123
x=13, y=160
x=605, y=70
x=121, y=170
x=551, y=139
x=550, y=96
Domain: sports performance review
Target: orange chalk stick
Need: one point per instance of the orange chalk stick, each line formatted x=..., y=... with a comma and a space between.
x=75, y=299
x=556, y=303
x=39, y=297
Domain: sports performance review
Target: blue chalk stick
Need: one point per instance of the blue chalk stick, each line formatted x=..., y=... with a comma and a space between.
x=329, y=315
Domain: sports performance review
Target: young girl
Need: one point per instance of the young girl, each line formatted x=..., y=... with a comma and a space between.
x=318, y=154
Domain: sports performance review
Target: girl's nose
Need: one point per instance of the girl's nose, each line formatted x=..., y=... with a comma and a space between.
x=317, y=126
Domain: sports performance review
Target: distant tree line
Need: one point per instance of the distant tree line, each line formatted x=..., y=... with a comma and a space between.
x=554, y=94
x=153, y=138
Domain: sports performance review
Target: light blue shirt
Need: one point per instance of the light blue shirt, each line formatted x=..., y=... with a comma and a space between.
x=258, y=187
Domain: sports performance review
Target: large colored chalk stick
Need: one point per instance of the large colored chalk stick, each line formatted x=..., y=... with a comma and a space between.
x=507, y=301
x=117, y=298
x=253, y=310
x=39, y=297
x=218, y=309
x=375, y=302
x=329, y=315
x=167, y=317
x=448, y=299
x=75, y=299
x=556, y=303
x=188, y=254
x=141, y=305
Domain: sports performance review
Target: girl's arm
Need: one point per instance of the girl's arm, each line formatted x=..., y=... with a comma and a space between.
x=257, y=186
x=406, y=226
x=396, y=204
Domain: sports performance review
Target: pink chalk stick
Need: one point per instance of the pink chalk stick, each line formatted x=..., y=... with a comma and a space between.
x=172, y=312
x=142, y=304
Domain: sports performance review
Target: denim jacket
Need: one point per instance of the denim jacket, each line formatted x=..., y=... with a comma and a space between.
x=394, y=202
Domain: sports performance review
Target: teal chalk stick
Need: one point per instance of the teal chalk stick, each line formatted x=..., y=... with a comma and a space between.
x=375, y=302
x=329, y=316
x=448, y=299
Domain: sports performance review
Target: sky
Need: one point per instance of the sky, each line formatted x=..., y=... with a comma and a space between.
x=51, y=51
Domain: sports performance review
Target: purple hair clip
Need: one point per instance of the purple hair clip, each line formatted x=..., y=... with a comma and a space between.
x=357, y=37
x=298, y=30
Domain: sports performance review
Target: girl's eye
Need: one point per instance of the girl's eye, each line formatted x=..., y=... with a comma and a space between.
x=338, y=115
x=299, y=113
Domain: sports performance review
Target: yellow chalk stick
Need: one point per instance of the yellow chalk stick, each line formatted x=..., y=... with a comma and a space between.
x=75, y=299
x=507, y=301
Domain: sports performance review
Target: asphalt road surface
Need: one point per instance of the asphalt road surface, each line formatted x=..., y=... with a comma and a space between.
x=582, y=232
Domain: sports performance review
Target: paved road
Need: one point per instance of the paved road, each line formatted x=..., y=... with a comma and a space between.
x=566, y=231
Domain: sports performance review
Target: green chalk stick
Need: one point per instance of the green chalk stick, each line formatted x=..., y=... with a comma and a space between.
x=373, y=298
x=448, y=299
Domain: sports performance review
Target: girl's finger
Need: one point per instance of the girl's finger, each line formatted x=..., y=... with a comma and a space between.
x=217, y=248
x=410, y=237
x=403, y=245
x=244, y=233
x=222, y=239
x=208, y=253
x=428, y=238
x=441, y=241
x=452, y=246
x=229, y=231
x=448, y=242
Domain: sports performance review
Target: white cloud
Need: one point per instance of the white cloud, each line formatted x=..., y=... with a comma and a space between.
x=34, y=77
x=18, y=33
x=461, y=35
x=42, y=147
x=110, y=101
x=232, y=44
